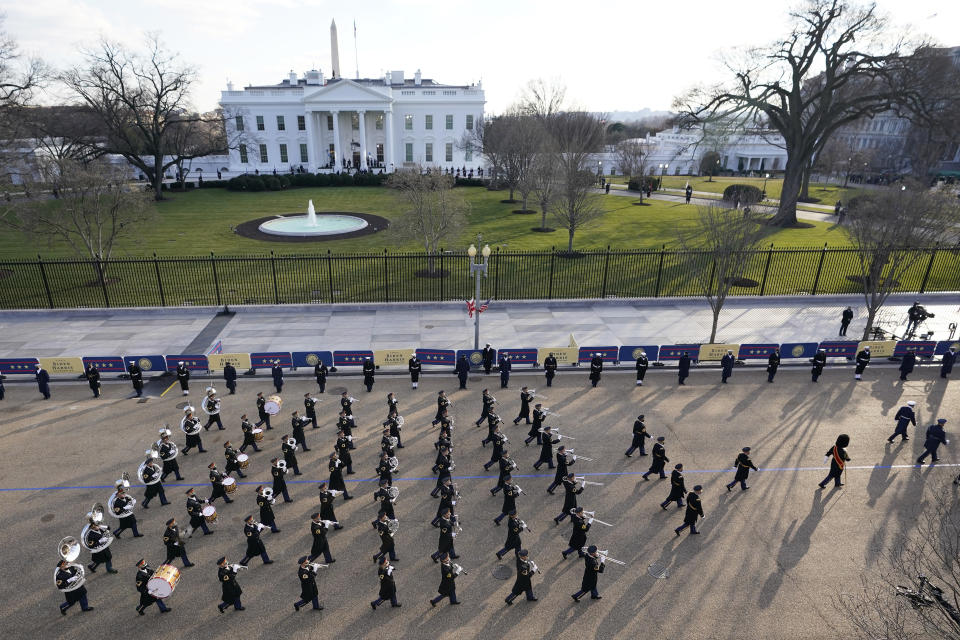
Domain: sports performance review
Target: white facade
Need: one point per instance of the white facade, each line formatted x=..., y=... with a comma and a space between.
x=335, y=124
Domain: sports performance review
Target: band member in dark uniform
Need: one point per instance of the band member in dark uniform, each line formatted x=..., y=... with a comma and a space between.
x=255, y=544
x=369, y=368
x=592, y=566
x=336, y=475
x=539, y=415
x=43, y=383
x=388, y=587
x=442, y=464
x=230, y=588
x=308, y=586
x=447, y=534
x=346, y=403
x=522, y=584
x=743, y=464
x=442, y=403
x=297, y=423
x=382, y=496
x=905, y=417
x=683, y=372
x=310, y=409
x=326, y=505
x=550, y=368
x=488, y=403
x=277, y=372
x=525, y=398
x=66, y=575
x=498, y=439
x=463, y=371
x=382, y=525
x=448, y=576
x=93, y=379
x=677, y=488
x=488, y=355
x=838, y=460
x=414, y=367
x=514, y=529
x=570, y=493
x=167, y=452
x=136, y=377
x=183, y=377
x=249, y=437
x=233, y=464
x=216, y=480
x=505, y=366
x=95, y=535
x=195, y=511
x=150, y=473
x=659, y=459
x=773, y=363
x=342, y=447
x=212, y=405
x=819, y=361
x=124, y=503
x=318, y=530
x=546, y=448
x=345, y=424
x=230, y=377
x=863, y=359
x=290, y=454
x=144, y=573
x=642, y=364
x=510, y=493
x=320, y=371
x=279, y=479
x=694, y=511
x=561, y=469
x=175, y=546
x=578, y=538
x=261, y=412
x=596, y=368
x=265, y=505
x=639, y=435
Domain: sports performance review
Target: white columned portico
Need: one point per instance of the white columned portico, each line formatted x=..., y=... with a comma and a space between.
x=362, y=117
x=313, y=160
x=388, y=139
x=336, y=140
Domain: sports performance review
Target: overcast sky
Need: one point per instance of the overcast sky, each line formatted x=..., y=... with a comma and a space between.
x=615, y=55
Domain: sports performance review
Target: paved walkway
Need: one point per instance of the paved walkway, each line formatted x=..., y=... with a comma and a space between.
x=105, y=332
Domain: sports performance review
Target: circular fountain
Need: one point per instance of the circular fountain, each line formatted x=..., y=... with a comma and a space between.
x=313, y=225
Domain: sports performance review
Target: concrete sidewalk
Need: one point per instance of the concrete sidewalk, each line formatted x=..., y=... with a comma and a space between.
x=537, y=323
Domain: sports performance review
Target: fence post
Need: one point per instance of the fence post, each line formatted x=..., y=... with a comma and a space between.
x=386, y=278
x=441, y=274
x=273, y=269
x=553, y=256
x=216, y=280
x=496, y=273
x=606, y=266
x=330, y=273
x=156, y=268
x=766, y=269
x=656, y=291
x=103, y=282
x=923, y=285
x=46, y=284
x=816, y=281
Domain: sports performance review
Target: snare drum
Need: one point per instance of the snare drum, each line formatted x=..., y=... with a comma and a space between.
x=243, y=460
x=229, y=485
x=209, y=513
x=273, y=405
x=164, y=581
x=257, y=435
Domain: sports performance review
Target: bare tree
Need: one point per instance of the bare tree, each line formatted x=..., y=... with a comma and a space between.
x=576, y=203
x=20, y=78
x=542, y=182
x=838, y=64
x=890, y=602
x=142, y=99
x=510, y=143
x=720, y=246
x=433, y=210
x=542, y=99
x=631, y=156
x=889, y=228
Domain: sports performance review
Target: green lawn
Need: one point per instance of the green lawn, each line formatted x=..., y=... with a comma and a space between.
x=826, y=193
x=200, y=222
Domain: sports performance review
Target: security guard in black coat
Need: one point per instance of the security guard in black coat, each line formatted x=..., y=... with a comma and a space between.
x=308, y=586
x=522, y=584
x=578, y=538
x=677, y=488
x=230, y=589
x=819, y=362
x=230, y=377
x=683, y=372
x=907, y=364
x=93, y=379
x=144, y=573
x=43, y=383
x=488, y=355
x=659, y=459
x=550, y=368
x=320, y=371
x=773, y=363
x=388, y=587
x=596, y=368
x=136, y=377
x=863, y=359
x=463, y=371
x=639, y=435
x=726, y=366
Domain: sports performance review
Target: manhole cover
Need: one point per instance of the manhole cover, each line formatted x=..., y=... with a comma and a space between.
x=141, y=400
x=47, y=517
x=658, y=571
x=337, y=390
x=502, y=572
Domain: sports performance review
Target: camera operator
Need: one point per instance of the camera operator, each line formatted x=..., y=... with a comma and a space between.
x=916, y=314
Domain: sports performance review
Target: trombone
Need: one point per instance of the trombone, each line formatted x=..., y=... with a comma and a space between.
x=576, y=457
x=604, y=557
x=584, y=482
x=590, y=517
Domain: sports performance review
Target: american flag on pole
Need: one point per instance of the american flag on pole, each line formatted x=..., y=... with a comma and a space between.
x=471, y=307
x=484, y=306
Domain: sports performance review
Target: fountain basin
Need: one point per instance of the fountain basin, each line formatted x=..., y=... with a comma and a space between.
x=303, y=226
x=254, y=228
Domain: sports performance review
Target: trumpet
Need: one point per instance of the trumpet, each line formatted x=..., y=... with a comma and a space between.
x=315, y=566
x=523, y=525
x=585, y=482
x=547, y=411
x=329, y=523
x=457, y=569
x=335, y=492
x=236, y=567
x=576, y=457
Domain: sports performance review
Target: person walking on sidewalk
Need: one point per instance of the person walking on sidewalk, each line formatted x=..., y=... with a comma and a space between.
x=935, y=437
x=845, y=319
x=743, y=464
x=838, y=461
x=904, y=418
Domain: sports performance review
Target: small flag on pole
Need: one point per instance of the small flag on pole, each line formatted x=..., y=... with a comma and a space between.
x=471, y=307
x=484, y=306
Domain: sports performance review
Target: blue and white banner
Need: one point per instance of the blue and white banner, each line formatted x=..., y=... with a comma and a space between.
x=519, y=356
x=311, y=358
x=630, y=353
x=148, y=362
x=351, y=358
x=193, y=362
x=105, y=364
x=608, y=354
x=266, y=359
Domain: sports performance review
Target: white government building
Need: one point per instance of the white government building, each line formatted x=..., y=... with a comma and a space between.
x=330, y=124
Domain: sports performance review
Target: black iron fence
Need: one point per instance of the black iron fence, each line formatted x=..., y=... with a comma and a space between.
x=400, y=277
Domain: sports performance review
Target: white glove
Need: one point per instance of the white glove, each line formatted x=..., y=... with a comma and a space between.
x=825, y=458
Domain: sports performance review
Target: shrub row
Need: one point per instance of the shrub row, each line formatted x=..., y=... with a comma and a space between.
x=746, y=194
x=642, y=184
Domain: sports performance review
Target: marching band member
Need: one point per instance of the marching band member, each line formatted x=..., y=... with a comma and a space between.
x=388, y=587
x=447, y=534
x=277, y=372
x=498, y=439
x=677, y=488
x=448, y=578
x=382, y=496
x=255, y=544
x=216, y=479
x=249, y=438
x=368, y=374
x=443, y=463
x=507, y=465
x=136, y=377
x=230, y=378
x=596, y=368
x=694, y=510
x=191, y=427
x=342, y=447
x=743, y=464
x=442, y=403
x=168, y=453
x=67, y=574
x=642, y=364
x=279, y=480
x=195, y=511
x=386, y=538
x=393, y=423
x=93, y=379
x=346, y=403
x=578, y=538
x=592, y=566
x=539, y=415
x=492, y=421
x=320, y=371
x=487, y=407
x=386, y=443
x=523, y=584
x=230, y=589
x=318, y=530
x=336, y=475
x=639, y=435
x=121, y=503
x=95, y=535
x=384, y=469
x=445, y=437
x=561, y=468
x=393, y=405
x=414, y=367
x=570, y=493
x=289, y=450
x=326, y=505
x=297, y=423
x=346, y=424
x=448, y=500
x=550, y=368
x=514, y=528
x=310, y=407
x=183, y=377
x=266, y=510
x=262, y=412
x=546, y=449
x=525, y=398
x=308, y=585
x=144, y=573
x=154, y=486
x=659, y=459
x=232, y=463
x=175, y=546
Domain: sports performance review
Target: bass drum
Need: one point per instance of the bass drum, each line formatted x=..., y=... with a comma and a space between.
x=164, y=581
x=273, y=405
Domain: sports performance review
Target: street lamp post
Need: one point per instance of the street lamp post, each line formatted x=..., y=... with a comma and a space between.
x=766, y=177
x=476, y=269
x=663, y=169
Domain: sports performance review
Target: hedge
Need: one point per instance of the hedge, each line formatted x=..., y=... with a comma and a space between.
x=745, y=194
